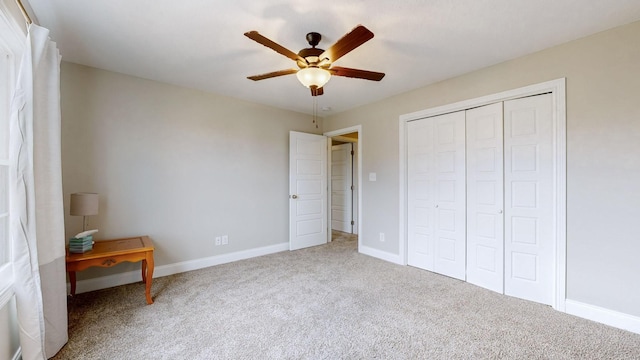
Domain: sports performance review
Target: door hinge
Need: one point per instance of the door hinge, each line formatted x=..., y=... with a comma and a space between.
x=351, y=187
x=352, y=152
x=353, y=222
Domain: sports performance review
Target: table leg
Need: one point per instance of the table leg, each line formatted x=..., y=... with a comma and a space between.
x=72, y=281
x=144, y=271
x=149, y=276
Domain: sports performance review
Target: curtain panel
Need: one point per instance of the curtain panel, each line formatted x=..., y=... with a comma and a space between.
x=36, y=205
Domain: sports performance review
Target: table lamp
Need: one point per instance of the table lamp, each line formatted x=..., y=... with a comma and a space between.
x=84, y=204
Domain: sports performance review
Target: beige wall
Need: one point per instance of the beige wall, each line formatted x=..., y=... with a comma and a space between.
x=184, y=166
x=603, y=156
x=179, y=165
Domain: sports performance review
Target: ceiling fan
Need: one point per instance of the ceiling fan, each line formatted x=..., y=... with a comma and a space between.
x=314, y=64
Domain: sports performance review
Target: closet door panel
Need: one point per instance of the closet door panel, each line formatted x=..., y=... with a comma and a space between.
x=420, y=247
x=529, y=210
x=485, y=218
x=436, y=194
x=450, y=215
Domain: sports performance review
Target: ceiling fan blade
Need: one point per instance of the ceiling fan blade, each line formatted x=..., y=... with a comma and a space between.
x=315, y=91
x=356, y=73
x=255, y=36
x=272, y=74
x=350, y=41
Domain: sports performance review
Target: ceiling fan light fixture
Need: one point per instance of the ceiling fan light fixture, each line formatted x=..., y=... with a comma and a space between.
x=314, y=64
x=313, y=76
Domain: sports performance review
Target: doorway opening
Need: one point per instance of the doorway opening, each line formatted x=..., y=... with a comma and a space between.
x=344, y=182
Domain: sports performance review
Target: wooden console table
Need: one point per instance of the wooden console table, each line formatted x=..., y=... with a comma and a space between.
x=107, y=253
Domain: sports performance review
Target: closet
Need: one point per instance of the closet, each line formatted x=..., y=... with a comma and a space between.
x=480, y=196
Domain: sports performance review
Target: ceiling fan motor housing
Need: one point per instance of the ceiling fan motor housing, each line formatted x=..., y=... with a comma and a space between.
x=314, y=38
x=311, y=55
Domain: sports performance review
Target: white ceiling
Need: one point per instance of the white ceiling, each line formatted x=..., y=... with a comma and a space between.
x=200, y=43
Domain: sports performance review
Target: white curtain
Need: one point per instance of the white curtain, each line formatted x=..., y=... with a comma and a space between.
x=35, y=196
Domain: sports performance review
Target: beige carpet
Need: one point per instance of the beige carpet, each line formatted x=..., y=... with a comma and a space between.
x=327, y=302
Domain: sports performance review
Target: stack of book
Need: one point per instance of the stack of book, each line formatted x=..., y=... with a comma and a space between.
x=81, y=245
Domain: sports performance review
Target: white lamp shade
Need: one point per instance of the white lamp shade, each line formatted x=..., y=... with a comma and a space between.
x=84, y=204
x=313, y=76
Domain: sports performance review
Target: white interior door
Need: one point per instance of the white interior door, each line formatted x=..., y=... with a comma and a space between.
x=341, y=187
x=450, y=203
x=307, y=190
x=529, y=204
x=485, y=202
x=420, y=194
x=436, y=194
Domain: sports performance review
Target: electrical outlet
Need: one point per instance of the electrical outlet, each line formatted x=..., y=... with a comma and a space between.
x=225, y=239
x=382, y=237
x=218, y=240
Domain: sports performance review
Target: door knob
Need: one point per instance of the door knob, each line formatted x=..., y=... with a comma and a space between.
x=500, y=211
x=436, y=206
x=294, y=196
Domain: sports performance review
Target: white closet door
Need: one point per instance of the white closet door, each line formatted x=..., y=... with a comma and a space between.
x=450, y=214
x=436, y=194
x=529, y=210
x=485, y=221
x=420, y=187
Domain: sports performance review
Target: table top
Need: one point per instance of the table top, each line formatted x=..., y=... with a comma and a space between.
x=103, y=248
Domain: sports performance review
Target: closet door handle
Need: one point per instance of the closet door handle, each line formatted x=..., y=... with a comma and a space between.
x=500, y=211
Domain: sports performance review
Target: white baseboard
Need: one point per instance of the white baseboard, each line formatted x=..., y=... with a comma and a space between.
x=604, y=316
x=383, y=255
x=108, y=281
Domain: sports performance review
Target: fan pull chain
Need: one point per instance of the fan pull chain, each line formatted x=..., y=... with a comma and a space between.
x=315, y=110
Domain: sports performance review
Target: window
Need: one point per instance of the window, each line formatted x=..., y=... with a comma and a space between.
x=12, y=39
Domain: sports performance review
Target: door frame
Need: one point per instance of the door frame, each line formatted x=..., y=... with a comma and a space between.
x=558, y=90
x=351, y=176
x=329, y=135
